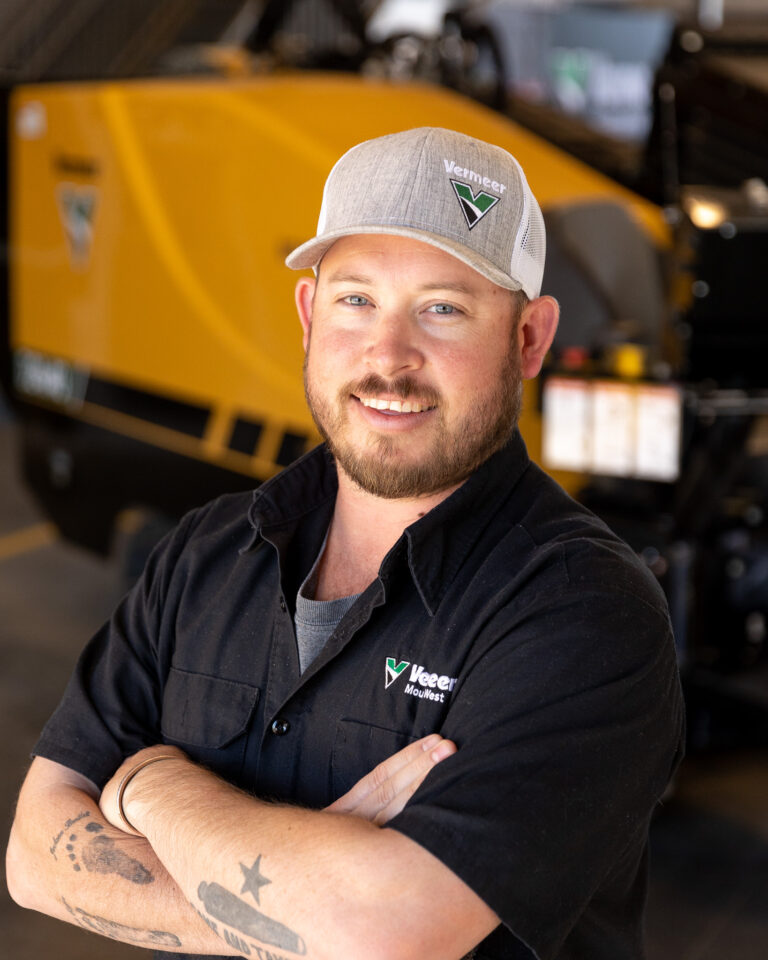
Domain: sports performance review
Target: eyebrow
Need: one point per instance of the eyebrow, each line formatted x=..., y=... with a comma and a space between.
x=454, y=285
x=349, y=278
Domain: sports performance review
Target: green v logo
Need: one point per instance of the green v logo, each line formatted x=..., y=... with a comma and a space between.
x=393, y=670
x=77, y=206
x=473, y=206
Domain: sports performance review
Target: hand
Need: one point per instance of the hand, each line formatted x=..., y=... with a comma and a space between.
x=383, y=792
x=108, y=802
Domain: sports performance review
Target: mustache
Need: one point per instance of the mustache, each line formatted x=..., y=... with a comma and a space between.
x=403, y=388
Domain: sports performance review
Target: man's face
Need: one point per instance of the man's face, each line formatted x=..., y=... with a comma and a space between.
x=412, y=370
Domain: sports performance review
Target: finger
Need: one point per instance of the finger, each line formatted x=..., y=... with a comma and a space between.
x=393, y=795
x=392, y=792
x=380, y=774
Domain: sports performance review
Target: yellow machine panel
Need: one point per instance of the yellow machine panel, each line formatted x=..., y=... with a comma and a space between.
x=149, y=223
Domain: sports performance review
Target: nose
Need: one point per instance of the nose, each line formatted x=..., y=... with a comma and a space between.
x=392, y=348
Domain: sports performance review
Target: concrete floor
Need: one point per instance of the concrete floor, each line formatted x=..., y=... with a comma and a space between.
x=709, y=890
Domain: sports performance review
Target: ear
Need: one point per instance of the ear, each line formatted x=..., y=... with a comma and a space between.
x=305, y=292
x=536, y=331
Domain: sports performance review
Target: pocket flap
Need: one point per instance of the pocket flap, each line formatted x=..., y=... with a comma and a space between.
x=206, y=711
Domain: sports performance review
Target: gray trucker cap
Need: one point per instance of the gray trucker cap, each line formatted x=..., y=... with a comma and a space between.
x=462, y=195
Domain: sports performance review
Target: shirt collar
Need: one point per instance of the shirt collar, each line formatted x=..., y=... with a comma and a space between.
x=307, y=485
x=300, y=488
x=436, y=545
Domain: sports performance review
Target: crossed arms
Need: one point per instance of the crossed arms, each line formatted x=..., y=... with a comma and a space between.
x=211, y=870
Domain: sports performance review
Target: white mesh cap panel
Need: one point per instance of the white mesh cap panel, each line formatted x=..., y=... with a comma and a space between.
x=530, y=246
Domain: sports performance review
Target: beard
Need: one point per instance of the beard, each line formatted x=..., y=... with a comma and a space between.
x=450, y=455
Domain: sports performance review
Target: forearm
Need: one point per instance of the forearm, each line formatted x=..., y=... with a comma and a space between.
x=289, y=881
x=244, y=864
x=64, y=859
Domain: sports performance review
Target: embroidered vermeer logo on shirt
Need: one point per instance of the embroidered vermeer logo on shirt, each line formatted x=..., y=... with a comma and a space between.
x=422, y=683
x=393, y=670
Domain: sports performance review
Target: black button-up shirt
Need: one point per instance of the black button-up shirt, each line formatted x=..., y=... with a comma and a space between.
x=508, y=618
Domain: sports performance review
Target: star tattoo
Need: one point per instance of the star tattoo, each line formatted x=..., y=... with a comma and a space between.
x=254, y=879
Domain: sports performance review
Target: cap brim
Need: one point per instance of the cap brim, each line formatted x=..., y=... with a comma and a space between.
x=310, y=254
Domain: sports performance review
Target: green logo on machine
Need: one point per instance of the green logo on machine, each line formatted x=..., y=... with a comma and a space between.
x=77, y=208
x=393, y=670
x=474, y=206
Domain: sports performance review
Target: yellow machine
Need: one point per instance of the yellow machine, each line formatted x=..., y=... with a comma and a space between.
x=156, y=357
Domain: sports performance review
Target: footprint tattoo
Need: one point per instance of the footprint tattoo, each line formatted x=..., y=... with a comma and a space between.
x=99, y=853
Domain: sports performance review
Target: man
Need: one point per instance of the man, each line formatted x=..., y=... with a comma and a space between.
x=415, y=590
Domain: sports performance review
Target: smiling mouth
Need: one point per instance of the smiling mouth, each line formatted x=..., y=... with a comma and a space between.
x=395, y=406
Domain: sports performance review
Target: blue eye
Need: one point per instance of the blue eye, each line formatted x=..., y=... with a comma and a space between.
x=356, y=300
x=443, y=308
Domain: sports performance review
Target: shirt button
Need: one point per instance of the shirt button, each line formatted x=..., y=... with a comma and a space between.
x=282, y=604
x=280, y=727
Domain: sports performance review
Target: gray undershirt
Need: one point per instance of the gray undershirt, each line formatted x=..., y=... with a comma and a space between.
x=316, y=620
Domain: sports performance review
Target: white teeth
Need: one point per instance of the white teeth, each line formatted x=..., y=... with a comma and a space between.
x=397, y=406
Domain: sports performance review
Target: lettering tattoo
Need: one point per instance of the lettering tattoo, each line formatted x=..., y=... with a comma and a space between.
x=265, y=954
x=250, y=949
x=247, y=949
x=68, y=824
x=119, y=931
x=98, y=853
x=230, y=910
x=207, y=920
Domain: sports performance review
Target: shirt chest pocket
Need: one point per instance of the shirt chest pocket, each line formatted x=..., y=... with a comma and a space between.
x=209, y=718
x=358, y=748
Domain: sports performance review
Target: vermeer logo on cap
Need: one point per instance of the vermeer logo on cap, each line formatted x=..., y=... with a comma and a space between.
x=474, y=206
